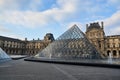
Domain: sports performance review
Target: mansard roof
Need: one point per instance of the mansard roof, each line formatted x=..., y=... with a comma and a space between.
x=113, y=36
x=94, y=25
x=8, y=38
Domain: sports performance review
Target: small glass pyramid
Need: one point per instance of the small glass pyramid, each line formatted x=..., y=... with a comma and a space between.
x=3, y=55
x=72, y=44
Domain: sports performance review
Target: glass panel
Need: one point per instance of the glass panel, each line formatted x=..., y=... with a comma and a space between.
x=72, y=44
x=3, y=55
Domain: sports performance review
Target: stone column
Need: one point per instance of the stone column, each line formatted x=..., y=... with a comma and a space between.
x=118, y=54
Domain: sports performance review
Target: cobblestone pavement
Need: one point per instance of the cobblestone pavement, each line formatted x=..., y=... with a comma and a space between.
x=24, y=70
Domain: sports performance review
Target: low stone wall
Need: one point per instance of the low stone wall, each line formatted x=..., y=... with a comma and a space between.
x=74, y=62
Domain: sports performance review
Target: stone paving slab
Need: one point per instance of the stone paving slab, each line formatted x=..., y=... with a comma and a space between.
x=24, y=70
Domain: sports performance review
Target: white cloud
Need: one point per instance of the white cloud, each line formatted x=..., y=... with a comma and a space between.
x=114, y=20
x=112, y=24
x=68, y=6
x=116, y=30
x=12, y=35
x=27, y=19
x=3, y=29
x=113, y=31
x=15, y=36
x=34, y=5
x=69, y=25
x=8, y=33
x=114, y=3
x=61, y=12
x=10, y=5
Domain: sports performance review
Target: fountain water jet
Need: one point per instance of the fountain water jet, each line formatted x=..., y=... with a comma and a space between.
x=110, y=58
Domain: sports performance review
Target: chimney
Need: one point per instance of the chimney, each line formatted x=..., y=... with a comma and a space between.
x=102, y=25
x=86, y=26
x=25, y=39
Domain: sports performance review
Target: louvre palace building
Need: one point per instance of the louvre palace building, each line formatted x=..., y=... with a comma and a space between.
x=24, y=47
x=105, y=45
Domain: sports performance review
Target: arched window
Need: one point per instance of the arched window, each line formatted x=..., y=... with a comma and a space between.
x=114, y=52
x=108, y=52
x=119, y=52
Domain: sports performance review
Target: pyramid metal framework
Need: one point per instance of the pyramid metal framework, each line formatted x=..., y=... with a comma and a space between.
x=72, y=44
x=3, y=55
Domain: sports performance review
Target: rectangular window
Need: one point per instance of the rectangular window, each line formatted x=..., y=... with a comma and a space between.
x=99, y=45
x=108, y=45
x=113, y=45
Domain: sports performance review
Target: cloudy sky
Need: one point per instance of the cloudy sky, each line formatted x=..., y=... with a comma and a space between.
x=35, y=18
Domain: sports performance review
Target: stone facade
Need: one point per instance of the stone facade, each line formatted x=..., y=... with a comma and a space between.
x=24, y=47
x=106, y=45
x=112, y=46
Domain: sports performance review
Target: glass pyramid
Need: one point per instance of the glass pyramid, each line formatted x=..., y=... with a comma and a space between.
x=3, y=55
x=72, y=44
